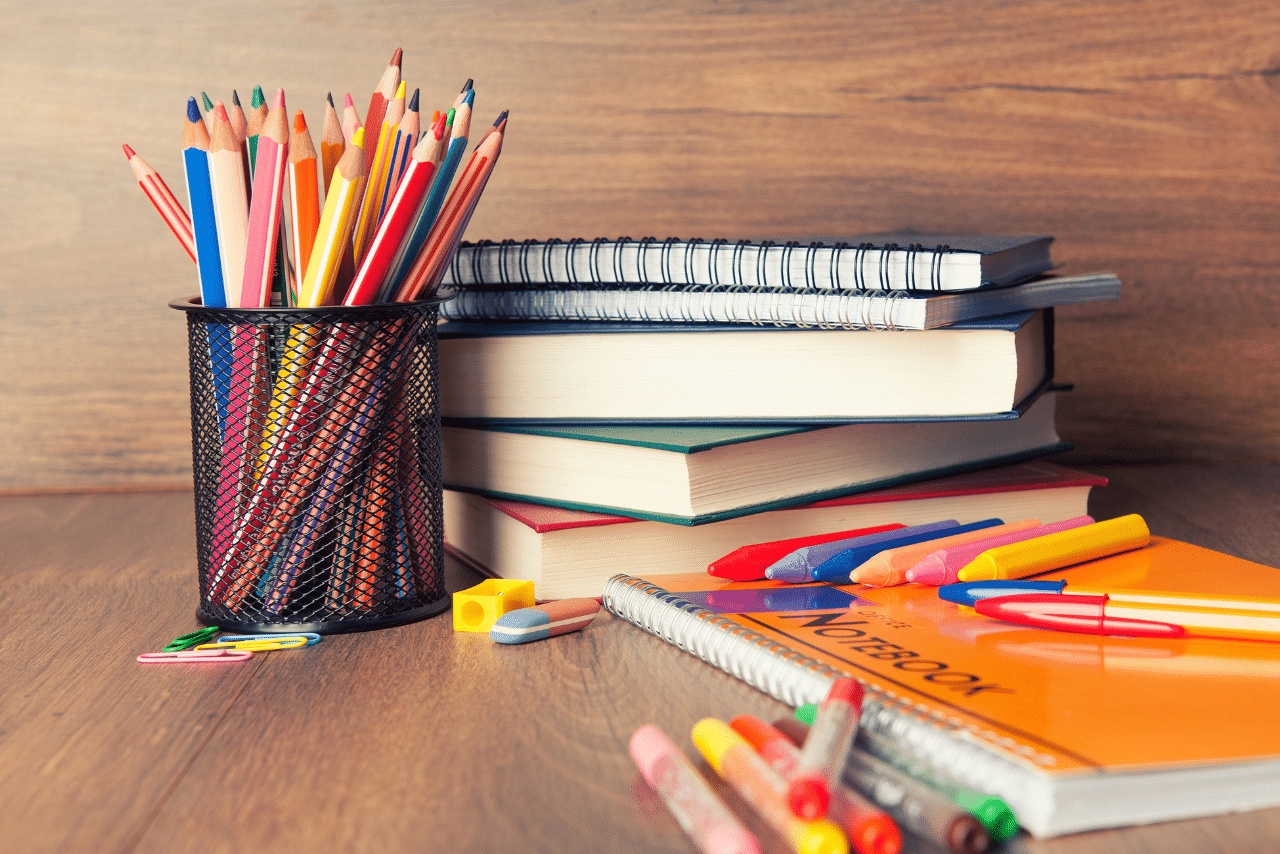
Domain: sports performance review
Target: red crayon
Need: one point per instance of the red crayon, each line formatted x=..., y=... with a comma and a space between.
x=749, y=562
x=824, y=753
x=869, y=828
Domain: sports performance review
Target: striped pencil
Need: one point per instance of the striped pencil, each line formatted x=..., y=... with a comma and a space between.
x=304, y=192
x=332, y=144
x=272, y=146
x=367, y=220
x=336, y=223
x=409, y=197
x=230, y=201
x=452, y=221
x=407, y=133
x=382, y=93
x=195, y=162
x=413, y=244
x=166, y=203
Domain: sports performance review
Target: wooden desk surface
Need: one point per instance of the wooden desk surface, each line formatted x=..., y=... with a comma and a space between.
x=406, y=739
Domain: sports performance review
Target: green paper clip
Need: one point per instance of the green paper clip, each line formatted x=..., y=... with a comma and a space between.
x=191, y=639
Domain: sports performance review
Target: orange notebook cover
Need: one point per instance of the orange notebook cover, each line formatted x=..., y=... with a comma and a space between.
x=1073, y=731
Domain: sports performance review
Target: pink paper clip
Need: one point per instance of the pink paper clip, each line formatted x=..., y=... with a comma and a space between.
x=195, y=656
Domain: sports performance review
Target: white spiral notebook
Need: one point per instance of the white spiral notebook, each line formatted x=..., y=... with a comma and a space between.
x=1074, y=732
x=927, y=262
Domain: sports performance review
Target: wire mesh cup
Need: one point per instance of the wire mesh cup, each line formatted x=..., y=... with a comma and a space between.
x=315, y=438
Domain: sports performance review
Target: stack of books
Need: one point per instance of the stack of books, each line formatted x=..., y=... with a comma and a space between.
x=657, y=404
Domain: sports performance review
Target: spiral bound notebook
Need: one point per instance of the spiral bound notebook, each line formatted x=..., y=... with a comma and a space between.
x=807, y=307
x=927, y=262
x=1075, y=732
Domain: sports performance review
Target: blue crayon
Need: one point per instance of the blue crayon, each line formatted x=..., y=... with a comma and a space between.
x=969, y=592
x=837, y=568
x=798, y=567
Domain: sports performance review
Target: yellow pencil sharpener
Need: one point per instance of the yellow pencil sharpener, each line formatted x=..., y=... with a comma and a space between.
x=477, y=608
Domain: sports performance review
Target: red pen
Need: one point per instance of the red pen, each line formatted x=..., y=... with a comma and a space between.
x=824, y=753
x=749, y=562
x=869, y=828
x=1071, y=612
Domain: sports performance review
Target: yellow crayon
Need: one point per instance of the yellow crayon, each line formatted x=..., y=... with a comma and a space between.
x=1054, y=551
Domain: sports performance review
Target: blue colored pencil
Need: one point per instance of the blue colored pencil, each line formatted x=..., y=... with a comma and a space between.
x=195, y=159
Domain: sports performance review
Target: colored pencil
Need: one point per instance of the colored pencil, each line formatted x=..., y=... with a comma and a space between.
x=304, y=193
x=336, y=223
x=272, y=145
x=230, y=202
x=166, y=203
x=425, y=273
x=254, y=118
x=367, y=220
x=240, y=124
x=382, y=93
x=208, y=104
x=413, y=244
x=350, y=120
x=407, y=133
x=195, y=162
x=410, y=196
x=332, y=144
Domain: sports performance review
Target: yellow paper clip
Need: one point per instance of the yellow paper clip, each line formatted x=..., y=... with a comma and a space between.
x=259, y=645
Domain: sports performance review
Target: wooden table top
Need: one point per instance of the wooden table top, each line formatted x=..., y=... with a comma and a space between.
x=406, y=739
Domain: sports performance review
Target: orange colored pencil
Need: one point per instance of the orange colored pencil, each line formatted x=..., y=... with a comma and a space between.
x=447, y=231
x=332, y=144
x=166, y=203
x=304, y=191
x=382, y=93
x=407, y=133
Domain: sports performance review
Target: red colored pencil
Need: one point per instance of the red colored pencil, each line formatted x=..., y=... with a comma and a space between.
x=165, y=201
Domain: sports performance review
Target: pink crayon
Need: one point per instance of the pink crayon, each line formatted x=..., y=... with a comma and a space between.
x=941, y=567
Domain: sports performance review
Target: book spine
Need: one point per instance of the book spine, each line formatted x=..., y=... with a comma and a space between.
x=693, y=304
x=788, y=266
x=950, y=746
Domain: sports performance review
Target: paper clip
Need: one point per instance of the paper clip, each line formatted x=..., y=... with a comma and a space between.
x=195, y=656
x=311, y=637
x=259, y=644
x=191, y=639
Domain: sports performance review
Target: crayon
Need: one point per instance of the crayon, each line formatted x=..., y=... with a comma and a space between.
x=890, y=566
x=798, y=566
x=748, y=563
x=1054, y=551
x=941, y=566
x=839, y=568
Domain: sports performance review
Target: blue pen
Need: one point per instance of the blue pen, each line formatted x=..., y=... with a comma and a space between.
x=837, y=568
x=969, y=592
x=798, y=567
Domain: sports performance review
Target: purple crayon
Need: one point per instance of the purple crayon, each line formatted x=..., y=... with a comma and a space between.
x=797, y=567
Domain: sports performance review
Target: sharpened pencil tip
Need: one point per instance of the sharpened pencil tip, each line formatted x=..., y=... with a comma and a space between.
x=220, y=112
x=397, y=58
x=350, y=103
x=129, y=152
x=193, y=109
x=413, y=103
x=208, y=104
x=470, y=98
x=257, y=99
x=299, y=122
x=467, y=85
x=400, y=90
x=502, y=117
x=278, y=102
x=235, y=97
x=329, y=97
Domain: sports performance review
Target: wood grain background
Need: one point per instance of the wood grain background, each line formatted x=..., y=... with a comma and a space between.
x=1144, y=135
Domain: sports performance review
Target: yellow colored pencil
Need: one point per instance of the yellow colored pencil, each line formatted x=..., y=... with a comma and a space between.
x=336, y=223
x=370, y=205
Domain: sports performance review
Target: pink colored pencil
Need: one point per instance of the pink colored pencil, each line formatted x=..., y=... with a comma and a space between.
x=166, y=203
x=265, y=206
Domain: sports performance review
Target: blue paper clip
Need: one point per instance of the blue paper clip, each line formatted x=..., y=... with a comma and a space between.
x=195, y=656
x=312, y=637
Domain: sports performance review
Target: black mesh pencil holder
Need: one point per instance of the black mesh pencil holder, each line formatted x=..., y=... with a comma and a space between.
x=315, y=440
